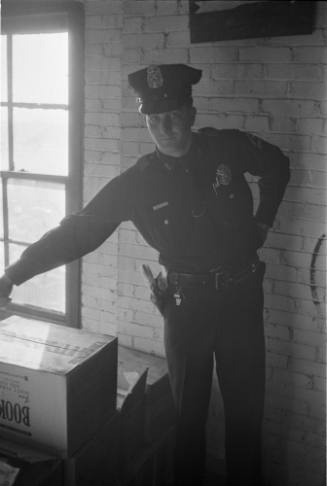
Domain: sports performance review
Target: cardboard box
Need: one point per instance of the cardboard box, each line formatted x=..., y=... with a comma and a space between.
x=98, y=461
x=57, y=384
x=21, y=465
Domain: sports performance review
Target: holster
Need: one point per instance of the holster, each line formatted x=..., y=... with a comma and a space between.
x=159, y=292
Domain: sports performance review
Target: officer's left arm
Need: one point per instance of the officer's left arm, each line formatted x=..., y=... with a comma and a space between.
x=267, y=161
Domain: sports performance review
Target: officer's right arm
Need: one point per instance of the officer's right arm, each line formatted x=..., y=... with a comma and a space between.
x=77, y=235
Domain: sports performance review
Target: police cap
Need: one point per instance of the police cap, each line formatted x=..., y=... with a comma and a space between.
x=163, y=87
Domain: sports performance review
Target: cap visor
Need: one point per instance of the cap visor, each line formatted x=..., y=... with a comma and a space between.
x=162, y=106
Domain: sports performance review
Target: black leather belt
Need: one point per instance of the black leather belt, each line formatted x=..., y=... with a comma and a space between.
x=218, y=279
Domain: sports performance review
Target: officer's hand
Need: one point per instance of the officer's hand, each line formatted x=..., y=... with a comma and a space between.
x=263, y=232
x=157, y=284
x=6, y=286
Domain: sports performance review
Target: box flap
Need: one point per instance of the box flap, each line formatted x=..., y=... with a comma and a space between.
x=45, y=346
x=132, y=360
x=8, y=474
x=126, y=397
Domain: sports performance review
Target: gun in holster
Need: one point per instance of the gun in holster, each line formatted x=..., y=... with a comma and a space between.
x=158, y=286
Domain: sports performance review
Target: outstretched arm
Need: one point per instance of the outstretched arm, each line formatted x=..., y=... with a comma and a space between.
x=77, y=234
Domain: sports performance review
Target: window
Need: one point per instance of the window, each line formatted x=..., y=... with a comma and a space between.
x=41, y=137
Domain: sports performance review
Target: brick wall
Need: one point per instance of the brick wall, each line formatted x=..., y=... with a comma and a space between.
x=102, y=159
x=275, y=88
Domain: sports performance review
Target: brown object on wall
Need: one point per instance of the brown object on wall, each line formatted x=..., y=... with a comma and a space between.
x=249, y=20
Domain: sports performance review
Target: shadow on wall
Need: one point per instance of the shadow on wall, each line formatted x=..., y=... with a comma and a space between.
x=294, y=428
x=295, y=252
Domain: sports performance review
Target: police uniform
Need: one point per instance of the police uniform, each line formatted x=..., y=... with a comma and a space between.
x=197, y=212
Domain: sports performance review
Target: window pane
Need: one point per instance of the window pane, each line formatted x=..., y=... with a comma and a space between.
x=46, y=290
x=40, y=68
x=41, y=141
x=4, y=91
x=4, y=138
x=2, y=257
x=34, y=207
x=1, y=214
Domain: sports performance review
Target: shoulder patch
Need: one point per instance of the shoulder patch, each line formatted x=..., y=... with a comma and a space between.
x=221, y=133
x=210, y=131
x=256, y=141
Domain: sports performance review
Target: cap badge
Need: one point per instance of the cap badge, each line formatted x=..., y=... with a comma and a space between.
x=154, y=77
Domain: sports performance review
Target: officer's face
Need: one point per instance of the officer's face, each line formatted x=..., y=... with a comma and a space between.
x=171, y=130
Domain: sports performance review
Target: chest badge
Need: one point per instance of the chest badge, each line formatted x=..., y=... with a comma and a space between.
x=160, y=205
x=223, y=176
x=154, y=77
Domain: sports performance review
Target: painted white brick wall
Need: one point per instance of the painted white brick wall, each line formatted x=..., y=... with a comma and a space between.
x=275, y=88
x=102, y=154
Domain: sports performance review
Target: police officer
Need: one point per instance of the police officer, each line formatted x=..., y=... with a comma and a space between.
x=191, y=202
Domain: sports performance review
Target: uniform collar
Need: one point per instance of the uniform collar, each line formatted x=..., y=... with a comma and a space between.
x=186, y=162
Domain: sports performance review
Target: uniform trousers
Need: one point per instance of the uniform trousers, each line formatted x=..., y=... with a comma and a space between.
x=227, y=325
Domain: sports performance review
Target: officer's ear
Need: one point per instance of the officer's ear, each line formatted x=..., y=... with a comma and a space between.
x=191, y=115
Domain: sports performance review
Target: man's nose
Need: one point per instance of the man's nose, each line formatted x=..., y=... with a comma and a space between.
x=166, y=123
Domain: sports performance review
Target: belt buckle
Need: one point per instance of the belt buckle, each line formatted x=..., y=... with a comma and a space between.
x=219, y=280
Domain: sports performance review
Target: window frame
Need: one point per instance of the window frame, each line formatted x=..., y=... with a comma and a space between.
x=19, y=17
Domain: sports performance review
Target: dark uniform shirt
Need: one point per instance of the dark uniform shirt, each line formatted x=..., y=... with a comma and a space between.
x=195, y=210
